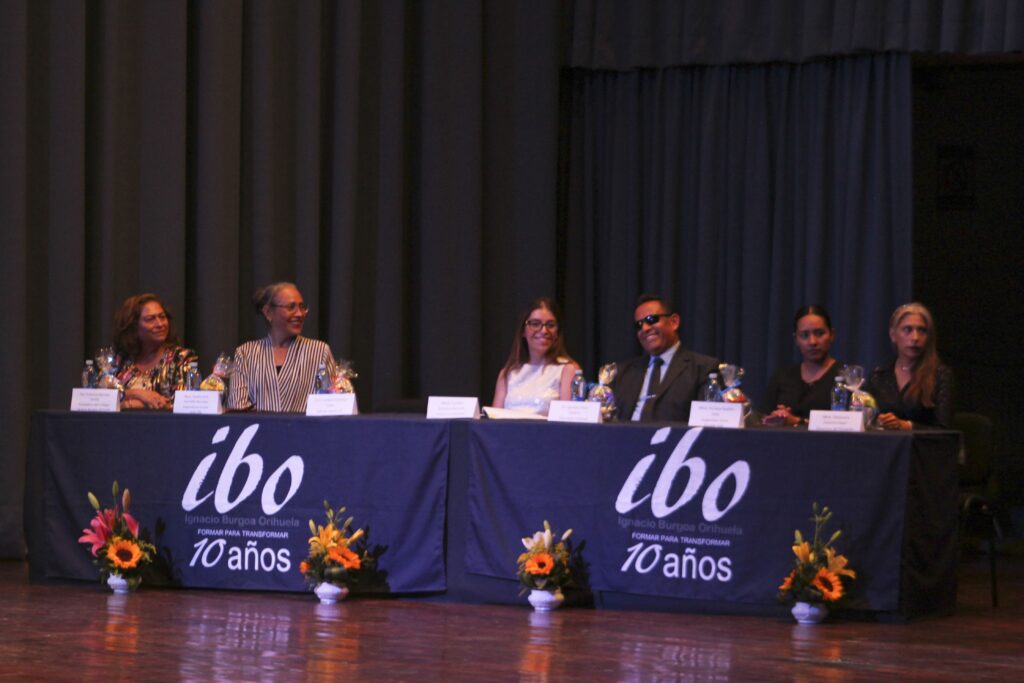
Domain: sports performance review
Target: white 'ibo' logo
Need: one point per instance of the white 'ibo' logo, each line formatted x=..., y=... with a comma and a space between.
x=254, y=463
x=696, y=469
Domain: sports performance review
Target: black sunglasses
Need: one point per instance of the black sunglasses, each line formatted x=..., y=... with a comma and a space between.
x=651, y=319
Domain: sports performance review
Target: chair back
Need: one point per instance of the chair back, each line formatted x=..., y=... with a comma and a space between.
x=976, y=460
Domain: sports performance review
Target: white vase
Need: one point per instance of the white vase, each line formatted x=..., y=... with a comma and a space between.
x=545, y=601
x=329, y=593
x=809, y=612
x=118, y=584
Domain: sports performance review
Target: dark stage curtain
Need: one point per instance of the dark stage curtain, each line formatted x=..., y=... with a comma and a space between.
x=397, y=160
x=742, y=192
x=627, y=34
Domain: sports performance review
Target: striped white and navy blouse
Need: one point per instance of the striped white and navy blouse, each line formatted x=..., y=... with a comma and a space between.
x=256, y=383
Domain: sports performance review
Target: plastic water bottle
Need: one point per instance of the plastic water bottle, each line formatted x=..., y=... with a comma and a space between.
x=193, y=379
x=323, y=383
x=89, y=375
x=578, y=389
x=712, y=389
x=839, y=397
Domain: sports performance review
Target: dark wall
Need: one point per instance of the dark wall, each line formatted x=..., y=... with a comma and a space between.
x=969, y=238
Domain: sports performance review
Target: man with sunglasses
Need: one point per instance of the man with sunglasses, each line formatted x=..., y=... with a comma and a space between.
x=658, y=386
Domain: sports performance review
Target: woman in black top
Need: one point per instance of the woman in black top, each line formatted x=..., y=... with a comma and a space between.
x=916, y=389
x=796, y=390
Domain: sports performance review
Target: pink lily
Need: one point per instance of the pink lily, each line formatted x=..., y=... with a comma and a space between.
x=102, y=527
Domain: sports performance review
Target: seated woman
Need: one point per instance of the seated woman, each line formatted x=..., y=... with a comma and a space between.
x=276, y=374
x=796, y=390
x=150, y=361
x=538, y=369
x=916, y=389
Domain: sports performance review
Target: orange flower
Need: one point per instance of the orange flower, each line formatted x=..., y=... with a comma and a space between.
x=829, y=584
x=304, y=567
x=837, y=564
x=788, y=582
x=803, y=552
x=124, y=554
x=343, y=556
x=541, y=563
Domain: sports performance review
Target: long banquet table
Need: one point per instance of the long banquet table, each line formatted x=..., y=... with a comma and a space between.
x=670, y=518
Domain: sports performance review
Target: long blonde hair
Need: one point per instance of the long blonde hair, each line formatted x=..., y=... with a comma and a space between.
x=921, y=388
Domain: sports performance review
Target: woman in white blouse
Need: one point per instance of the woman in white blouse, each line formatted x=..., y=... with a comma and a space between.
x=538, y=370
x=277, y=373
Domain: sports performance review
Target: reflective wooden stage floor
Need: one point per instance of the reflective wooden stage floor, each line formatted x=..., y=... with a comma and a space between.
x=82, y=632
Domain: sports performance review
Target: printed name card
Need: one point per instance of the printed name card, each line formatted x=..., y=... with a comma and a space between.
x=95, y=400
x=197, y=402
x=575, y=411
x=331, y=404
x=715, y=414
x=836, y=421
x=453, y=407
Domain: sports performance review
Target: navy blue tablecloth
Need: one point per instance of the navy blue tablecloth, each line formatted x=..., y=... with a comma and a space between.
x=708, y=514
x=673, y=519
x=229, y=498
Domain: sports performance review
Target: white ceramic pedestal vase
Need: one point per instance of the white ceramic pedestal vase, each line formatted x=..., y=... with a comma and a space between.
x=809, y=612
x=545, y=601
x=118, y=584
x=329, y=593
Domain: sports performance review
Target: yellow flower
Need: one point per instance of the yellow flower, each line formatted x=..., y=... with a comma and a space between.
x=540, y=564
x=124, y=554
x=837, y=564
x=829, y=584
x=803, y=552
x=326, y=538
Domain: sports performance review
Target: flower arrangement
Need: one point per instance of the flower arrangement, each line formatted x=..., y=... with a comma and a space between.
x=117, y=546
x=817, y=571
x=545, y=565
x=332, y=557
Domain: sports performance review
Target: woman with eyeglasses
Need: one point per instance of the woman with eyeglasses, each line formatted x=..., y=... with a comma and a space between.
x=276, y=374
x=796, y=390
x=150, y=361
x=538, y=370
x=916, y=389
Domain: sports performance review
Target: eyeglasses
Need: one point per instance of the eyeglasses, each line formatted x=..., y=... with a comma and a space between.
x=651, y=319
x=293, y=306
x=535, y=325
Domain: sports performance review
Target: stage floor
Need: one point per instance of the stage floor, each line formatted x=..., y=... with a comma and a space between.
x=80, y=631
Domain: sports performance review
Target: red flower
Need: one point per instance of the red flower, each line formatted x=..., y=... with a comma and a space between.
x=102, y=528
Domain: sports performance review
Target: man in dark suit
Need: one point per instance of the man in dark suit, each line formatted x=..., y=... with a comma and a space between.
x=658, y=386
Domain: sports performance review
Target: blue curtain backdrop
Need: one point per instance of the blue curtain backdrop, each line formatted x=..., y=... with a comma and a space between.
x=742, y=192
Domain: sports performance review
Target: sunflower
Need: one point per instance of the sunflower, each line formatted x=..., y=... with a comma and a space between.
x=124, y=554
x=829, y=584
x=788, y=582
x=540, y=564
x=343, y=556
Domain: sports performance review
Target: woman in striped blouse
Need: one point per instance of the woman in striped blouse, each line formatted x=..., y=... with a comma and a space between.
x=276, y=374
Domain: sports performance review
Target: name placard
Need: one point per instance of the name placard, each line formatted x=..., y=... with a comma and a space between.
x=715, y=414
x=199, y=402
x=453, y=407
x=836, y=421
x=575, y=411
x=331, y=404
x=95, y=400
